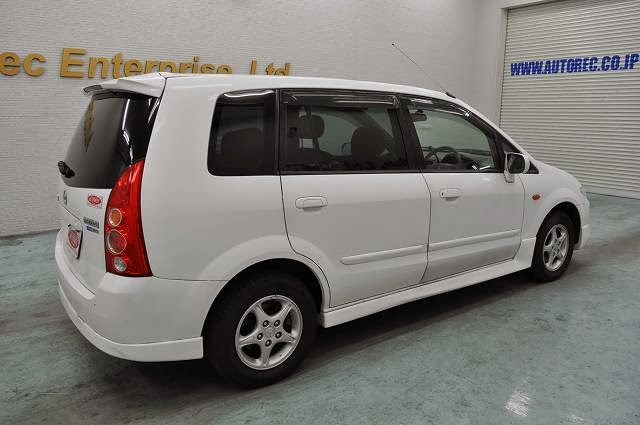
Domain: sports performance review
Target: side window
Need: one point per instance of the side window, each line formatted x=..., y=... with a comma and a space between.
x=337, y=129
x=449, y=141
x=242, y=140
x=336, y=136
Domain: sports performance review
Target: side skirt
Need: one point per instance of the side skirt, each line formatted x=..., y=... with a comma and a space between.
x=345, y=313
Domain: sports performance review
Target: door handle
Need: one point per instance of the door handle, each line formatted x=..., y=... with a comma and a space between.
x=447, y=193
x=311, y=202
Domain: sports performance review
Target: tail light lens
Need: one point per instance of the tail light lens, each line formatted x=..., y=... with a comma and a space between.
x=116, y=242
x=124, y=249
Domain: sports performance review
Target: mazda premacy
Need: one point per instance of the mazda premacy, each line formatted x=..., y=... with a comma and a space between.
x=226, y=217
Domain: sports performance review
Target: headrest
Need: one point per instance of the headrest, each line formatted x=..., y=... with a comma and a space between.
x=242, y=148
x=310, y=127
x=368, y=143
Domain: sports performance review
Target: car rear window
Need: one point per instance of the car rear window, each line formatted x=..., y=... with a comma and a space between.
x=113, y=133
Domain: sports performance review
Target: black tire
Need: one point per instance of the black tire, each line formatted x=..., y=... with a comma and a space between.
x=220, y=336
x=539, y=271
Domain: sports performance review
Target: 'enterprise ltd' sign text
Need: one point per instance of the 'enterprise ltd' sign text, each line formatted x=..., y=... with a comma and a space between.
x=76, y=64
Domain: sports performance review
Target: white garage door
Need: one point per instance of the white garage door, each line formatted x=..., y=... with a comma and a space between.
x=571, y=89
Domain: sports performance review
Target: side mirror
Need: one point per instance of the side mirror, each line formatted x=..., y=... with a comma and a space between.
x=515, y=163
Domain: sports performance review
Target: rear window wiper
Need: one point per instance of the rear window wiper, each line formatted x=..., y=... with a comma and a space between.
x=65, y=170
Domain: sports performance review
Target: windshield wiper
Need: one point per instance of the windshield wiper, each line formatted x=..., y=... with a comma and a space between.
x=65, y=170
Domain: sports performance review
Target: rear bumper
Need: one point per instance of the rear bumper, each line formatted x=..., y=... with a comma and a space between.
x=183, y=349
x=143, y=319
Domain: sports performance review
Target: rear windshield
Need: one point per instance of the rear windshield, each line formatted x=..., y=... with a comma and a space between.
x=112, y=134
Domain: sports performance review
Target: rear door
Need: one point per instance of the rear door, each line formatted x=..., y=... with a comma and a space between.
x=113, y=133
x=354, y=202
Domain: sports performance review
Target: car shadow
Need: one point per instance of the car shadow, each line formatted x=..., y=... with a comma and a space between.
x=370, y=330
x=124, y=391
x=190, y=381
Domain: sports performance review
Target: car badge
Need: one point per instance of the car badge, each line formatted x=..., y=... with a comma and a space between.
x=94, y=201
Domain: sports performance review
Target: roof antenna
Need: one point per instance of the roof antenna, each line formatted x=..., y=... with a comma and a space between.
x=423, y=71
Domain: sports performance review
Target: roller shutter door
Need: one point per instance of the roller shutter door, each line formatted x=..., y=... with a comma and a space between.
x=581, y=115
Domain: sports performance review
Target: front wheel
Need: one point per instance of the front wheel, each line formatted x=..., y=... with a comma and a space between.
x=262, y=330
x=554, y=248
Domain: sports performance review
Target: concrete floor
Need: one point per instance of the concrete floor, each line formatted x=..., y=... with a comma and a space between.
x=505, y=351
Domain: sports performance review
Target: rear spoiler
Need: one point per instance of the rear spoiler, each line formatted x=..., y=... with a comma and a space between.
x=148, y=84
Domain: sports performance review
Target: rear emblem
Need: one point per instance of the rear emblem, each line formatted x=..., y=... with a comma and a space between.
x=91, y=222
x=74, y=239
x=94, y=201
x=64, y=197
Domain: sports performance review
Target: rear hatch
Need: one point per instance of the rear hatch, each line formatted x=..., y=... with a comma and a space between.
x=112, y=134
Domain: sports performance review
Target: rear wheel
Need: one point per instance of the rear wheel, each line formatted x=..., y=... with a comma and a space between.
x=262, y=330
x=554, y=248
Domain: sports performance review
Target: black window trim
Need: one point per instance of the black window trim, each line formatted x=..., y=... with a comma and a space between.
x=486, y=128
x=323, y=97
x=532, y=168
x=282, y=117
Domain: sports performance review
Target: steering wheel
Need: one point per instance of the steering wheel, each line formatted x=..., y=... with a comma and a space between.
x=434, y=151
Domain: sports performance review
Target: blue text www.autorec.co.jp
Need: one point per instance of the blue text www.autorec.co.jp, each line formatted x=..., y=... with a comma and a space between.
x=576, y=64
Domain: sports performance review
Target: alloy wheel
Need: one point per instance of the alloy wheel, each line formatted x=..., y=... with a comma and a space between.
x=268, y=332
x=556, y=247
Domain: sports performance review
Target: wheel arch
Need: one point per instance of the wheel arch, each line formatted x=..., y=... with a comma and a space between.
x=571, y=210
x=304, y=272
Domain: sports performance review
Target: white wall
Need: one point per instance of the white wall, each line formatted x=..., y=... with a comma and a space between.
x=348, y=39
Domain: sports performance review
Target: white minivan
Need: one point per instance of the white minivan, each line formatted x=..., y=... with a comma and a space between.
x=225, y=216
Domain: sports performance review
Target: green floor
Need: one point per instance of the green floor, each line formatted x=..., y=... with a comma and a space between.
x=505, y=351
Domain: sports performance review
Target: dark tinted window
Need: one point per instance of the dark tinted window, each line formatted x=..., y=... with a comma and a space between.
x=242, y=140
x=113, y=133
x=342, y=133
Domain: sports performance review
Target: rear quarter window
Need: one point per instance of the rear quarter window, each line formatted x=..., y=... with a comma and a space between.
x=243, y=135
x=113, y=133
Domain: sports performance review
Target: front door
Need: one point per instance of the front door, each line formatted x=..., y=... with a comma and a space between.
x=476, y=216
x=352, y=202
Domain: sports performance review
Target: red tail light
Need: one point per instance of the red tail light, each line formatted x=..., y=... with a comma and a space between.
x=124, y=250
